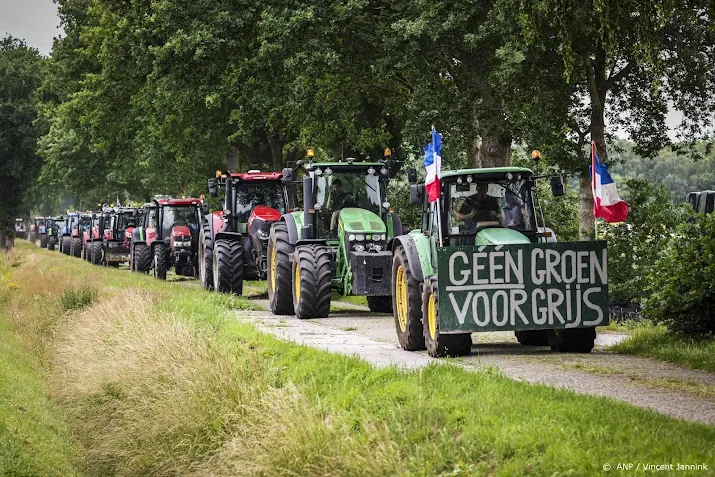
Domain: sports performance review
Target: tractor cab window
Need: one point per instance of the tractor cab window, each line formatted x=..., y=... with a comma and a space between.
x=179, y=215
x=249, y=195
x=498, y=203
x=123, y=221
x=85, y=223
x=337, y=191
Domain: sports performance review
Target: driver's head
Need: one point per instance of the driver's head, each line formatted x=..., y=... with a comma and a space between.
x=482, y=190
x=337, y=185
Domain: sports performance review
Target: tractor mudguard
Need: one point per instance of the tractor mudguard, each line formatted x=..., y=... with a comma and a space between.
x=228, y=235
x=413, y=258
x=137, y=234
x=293, y=229
x=394, y=225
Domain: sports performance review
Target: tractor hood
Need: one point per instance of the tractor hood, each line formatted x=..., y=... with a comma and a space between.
x=500, y=236
x=263, y=213
x=180, y=231
x=361, y=220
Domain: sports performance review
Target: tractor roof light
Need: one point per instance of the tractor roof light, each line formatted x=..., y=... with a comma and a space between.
x=319, y=172
x=509, y=176
x=388, y=152
x=470, y=179
x=328, y=171
x=310, y=153
x=459, y=180
x=383, y=171
x=254, y=171
x=536, y=154
x=218, y=174
x=371, y=171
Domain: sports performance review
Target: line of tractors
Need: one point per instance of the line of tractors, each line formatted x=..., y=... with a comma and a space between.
x=325, y=227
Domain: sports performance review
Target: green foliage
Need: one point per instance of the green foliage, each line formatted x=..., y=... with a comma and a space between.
x=21, y=72
x=74, y=298
x=634, y=246
x=682, y=280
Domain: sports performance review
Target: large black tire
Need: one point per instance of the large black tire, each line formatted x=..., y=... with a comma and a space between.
x=280, y=270
x=228, y=266
x=97, y=253
x=43, y=240
x=407, y=308
x=141, y=260
x=438, y=344
x=32, y=237
x=572, y=340
x=312, y=287
x=380, y=304
x=76, y=247
x=533, y=337
x=161, y=261
x=51, y=243
x=206, y=256
x=65, y=245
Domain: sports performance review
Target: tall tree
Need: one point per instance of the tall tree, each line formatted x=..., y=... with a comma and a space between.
x=21, y=73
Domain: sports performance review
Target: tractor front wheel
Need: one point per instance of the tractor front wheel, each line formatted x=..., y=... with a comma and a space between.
x=312, y=285
x=280, y=276
x=76, y=247
x=572, y=340
x=65, y=245
x=407, y=304
x=97, y=253
x=228, y=266
x=51, y=243
x=206, y=255
x=141, y=258
x=439, y=344
x=43, y=240
x=161, y=261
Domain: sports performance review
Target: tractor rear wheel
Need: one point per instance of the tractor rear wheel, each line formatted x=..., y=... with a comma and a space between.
x=161, y=261
x=141, y=261
x=65, y=245
x=43, y=240
x=76, y=247
x=380, y=304
x=312, y=285
x=228, y=266
x=51, y=243
x=407, y=304
x=280, y=276
x=572, y=340
x=533, y=337
x=97, y=253
x=440, y=344
x=206, y=255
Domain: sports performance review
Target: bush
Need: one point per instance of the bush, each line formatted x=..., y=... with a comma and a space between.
x=682, y=281
x=75, y=298
x=634, y=246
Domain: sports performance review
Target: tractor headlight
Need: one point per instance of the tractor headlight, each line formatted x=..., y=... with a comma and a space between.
x=377, y=247
x=358, y=247
x=262, y=235
x=371, y=171
x=383, y=171
x=359, y=237
x=351, y=237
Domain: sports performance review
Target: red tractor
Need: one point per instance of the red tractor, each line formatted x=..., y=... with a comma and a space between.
x=82, y=223
x=168, y=237
x=20, y=231
x=115, y=227
x=92, y=237
x=234, y=241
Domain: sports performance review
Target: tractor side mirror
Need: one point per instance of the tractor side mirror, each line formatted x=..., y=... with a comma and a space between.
x=94, y=216
x=411, y=175
x=557, y=185
x=213, y=188
x=287, y=174
x=205, y=208
x=417, y=194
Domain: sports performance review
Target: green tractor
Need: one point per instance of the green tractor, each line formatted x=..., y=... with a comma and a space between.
x=481, y=262
x=339, y=241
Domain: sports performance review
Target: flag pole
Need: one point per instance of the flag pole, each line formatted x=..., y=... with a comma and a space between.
x=439, y=194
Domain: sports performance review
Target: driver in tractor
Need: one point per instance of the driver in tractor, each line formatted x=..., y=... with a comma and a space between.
x=513, y=212
x=337, y=196
x=478, y=207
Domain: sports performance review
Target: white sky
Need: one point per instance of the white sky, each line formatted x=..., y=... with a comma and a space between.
x=34, y=21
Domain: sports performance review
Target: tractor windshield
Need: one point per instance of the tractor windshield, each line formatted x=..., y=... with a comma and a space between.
x=250, y=194
x=85, y=222
x=179, y=215
x=498, y=203
x=338, y=190
x=123, y=220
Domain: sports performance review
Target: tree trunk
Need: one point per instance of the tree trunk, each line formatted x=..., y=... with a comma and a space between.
x=233, y=162
x=586, y=225
x=276, y=146
x=492, y=145
x=494, y=150
x=3, y=241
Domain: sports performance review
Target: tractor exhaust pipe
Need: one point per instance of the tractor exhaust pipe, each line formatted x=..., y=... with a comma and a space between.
x=308, y=229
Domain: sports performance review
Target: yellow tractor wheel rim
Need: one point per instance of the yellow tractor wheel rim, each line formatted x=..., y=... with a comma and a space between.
x=432, y=318
x=296, y=280
x=273, y=266
x=401, y=296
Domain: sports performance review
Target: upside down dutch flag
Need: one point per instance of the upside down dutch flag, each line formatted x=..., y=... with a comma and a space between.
x=433, y=165
x=606, y=202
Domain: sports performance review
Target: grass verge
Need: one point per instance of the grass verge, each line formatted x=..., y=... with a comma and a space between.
x=657, y=342
x=161, y=379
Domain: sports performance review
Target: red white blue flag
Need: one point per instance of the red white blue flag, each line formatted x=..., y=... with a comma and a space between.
x=606, y=202
x=433, y=166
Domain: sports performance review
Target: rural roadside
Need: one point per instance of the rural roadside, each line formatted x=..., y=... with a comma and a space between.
x=142, y=377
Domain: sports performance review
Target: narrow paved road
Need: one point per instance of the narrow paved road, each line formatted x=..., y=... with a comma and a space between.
x=665, y=388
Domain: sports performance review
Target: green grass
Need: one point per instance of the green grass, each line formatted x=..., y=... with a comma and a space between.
x=657, y=342
x=159, y=378
x=34, y=441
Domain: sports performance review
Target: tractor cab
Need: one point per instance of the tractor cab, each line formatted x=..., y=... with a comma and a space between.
x=253, y=201
x=339, y=241
x=117, y=226
x=20, y=230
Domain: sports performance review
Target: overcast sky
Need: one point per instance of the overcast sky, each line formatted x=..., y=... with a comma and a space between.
x=34, y=21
